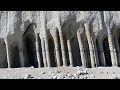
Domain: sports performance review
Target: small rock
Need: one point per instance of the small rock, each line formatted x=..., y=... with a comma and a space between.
x=76, y=76
x=84, y=77
x=27, y=76
x=107, y=72
x=57, y=71
x=72, y=77
x=80, y=77
x=113, y=77
x=85, y=72
x=60, y=76
x=43, y=72
x=78, y=72
x=32, y=67
x=54, y=77
x=69, y=75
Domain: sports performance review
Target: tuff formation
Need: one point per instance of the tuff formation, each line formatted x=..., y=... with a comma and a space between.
x=59, y=38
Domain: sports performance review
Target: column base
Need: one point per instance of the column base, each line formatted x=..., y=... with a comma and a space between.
x=71, y=65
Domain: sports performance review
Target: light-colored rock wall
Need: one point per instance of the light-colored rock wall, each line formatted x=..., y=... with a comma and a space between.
x=13, y=24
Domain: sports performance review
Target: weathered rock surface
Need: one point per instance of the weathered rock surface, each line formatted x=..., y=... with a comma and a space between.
x=65, y=73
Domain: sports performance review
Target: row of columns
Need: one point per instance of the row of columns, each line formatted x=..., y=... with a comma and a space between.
x=91, y=45
x=21, y=54
x=45, y=50
x=46, y=55
x=112, y=48
x=92, y=49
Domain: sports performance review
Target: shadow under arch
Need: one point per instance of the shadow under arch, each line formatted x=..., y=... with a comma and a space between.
x=29, y=46
x=107, y=52
x=87, y=53
x=15, y=56
x=3, y=54
x=52, y=52
x=76, y=52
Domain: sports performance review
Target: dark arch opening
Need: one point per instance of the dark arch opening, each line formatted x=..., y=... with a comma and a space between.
x=52, y=53
x=107, y=52
x=15, y=57
x=119, y=41
x=30, y=53
x=98, y=51
x=76, y=52
x=66, y=51
x=87, y=53
x=29, y=46
x=3, y=56
x=40, y=50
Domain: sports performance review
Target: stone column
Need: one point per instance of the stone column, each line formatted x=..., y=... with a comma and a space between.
x=8, y=53
x=62, y=49
x=47, y=51
x=21, y=55
x=62, y=46
x=57, y=49
x=43, y=52
x=82, y=51
x=112, y=48
x=43, y=22
x=69, y=50
x=89, y=39
x=101, y=52
x=95, y=51
x=38, y=50
x=58, y=17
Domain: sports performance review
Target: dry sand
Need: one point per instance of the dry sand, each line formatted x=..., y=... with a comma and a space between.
x=60, y=73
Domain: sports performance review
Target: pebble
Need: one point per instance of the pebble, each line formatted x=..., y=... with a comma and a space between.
x=43, y=72
x=54, y=77
x=78, y=72
x=72, y=77
x=32, y=67
x=57, y=71
x=85, y=72
x=27, y=76
x=60, y=76
x=69, y=75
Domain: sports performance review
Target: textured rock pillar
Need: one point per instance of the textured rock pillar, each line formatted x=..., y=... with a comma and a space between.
x=112, y=48
x=69, y=50
x=47, y=51
x=89, y=39
x=37, y=50
x=95, y=50
x=57, y=49
x=57, y=14
x=21, y=53
x=82, y=51
x=43, y=22
x=62, y=48
x=8, y=53
x=101, y=52
x=43, y=52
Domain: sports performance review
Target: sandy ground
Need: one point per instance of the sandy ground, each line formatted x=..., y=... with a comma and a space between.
x=61, y=73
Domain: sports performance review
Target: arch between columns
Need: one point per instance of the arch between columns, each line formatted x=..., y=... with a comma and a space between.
x=29, y=47
x=52, y=53
x=107, y=52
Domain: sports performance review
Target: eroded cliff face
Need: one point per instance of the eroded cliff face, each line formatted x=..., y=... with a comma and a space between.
x=17, y=25
x=18, y=21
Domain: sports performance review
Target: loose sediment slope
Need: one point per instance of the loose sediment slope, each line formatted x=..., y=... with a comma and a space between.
x=61, y=73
